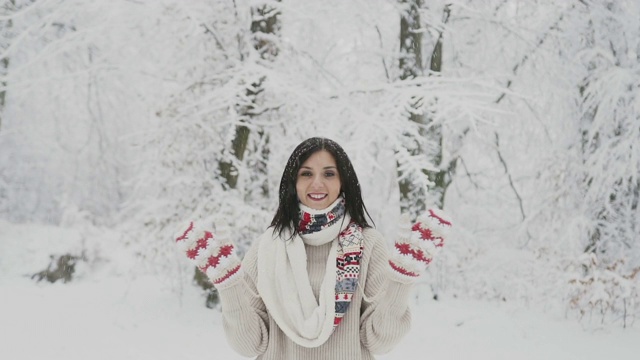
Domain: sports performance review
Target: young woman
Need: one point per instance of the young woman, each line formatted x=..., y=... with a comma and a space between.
x=319, y=283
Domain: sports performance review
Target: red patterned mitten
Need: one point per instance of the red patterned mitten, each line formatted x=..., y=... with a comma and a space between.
x=214, y=255
x=415, y=248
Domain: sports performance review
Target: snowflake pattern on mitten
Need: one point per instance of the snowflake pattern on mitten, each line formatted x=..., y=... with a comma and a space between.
x=417, y=245
x=212, y=254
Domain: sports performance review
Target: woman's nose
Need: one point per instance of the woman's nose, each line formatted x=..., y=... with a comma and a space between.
x=317, y=182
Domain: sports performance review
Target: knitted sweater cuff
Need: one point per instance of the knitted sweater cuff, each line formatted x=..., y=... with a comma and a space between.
x=403, y=273
x=234, y=278
x=400, y=292
x=396, y=298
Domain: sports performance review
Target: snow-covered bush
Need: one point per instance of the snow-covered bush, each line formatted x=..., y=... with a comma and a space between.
x=602, y=295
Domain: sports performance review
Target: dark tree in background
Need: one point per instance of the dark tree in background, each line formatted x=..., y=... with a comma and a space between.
x=265, y=27
x=420, y=39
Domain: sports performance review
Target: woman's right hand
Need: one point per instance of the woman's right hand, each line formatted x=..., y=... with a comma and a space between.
x=213, y=254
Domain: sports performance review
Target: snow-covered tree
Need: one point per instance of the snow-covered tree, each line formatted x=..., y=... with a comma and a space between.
x=519, y=118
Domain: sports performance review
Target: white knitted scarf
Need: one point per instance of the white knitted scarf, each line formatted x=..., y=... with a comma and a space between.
x=283, y=282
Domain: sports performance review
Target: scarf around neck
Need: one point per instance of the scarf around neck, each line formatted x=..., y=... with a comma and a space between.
x=283, y=280
x=312, y=220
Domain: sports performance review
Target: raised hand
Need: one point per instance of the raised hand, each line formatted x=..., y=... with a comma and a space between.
x=213, y=254
x=417, y=244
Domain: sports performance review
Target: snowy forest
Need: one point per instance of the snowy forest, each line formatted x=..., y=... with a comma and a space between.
x=521, y=119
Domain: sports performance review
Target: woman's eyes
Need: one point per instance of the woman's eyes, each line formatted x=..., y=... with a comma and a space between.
x=309, y=174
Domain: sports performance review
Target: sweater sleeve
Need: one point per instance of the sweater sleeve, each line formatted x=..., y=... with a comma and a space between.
x=386, y=316
x=245, y=317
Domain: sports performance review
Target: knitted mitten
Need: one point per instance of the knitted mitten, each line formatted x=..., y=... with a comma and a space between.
x=214, y=255
x=418, y=244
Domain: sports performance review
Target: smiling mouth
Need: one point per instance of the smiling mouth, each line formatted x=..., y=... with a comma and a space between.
x=317, y=197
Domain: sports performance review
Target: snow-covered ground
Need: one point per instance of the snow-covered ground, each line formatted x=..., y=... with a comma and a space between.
x=107, y=315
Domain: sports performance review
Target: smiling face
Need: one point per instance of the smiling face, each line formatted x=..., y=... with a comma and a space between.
x=318, y=182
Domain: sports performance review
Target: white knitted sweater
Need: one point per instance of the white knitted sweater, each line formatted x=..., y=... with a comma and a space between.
x=374, y=323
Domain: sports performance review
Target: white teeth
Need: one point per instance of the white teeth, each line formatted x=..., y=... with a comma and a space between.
x=317, y=197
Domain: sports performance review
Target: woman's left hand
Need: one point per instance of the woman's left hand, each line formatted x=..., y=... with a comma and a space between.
x=415, y=248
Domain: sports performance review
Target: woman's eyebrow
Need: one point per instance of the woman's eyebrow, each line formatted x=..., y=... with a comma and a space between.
x=324, y=168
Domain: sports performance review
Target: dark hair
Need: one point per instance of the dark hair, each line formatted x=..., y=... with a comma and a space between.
x=288, y=216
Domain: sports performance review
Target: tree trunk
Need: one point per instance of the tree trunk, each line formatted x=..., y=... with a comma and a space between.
x=443, y=177
x=410, y=68
x=264, y=22
x=6, y=28
x=414, y=200
x=410, y=40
